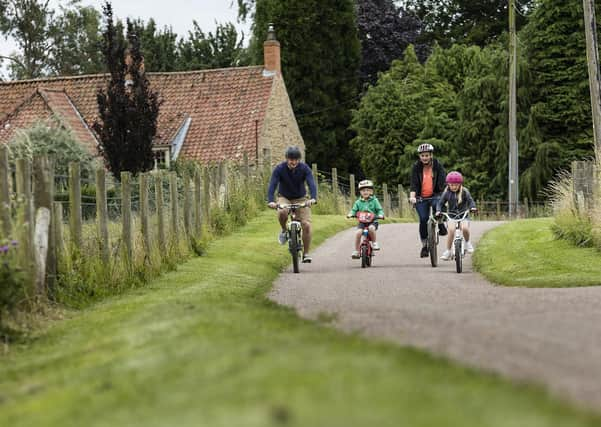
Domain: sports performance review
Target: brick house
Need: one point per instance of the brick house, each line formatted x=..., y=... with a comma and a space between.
x=207, y=115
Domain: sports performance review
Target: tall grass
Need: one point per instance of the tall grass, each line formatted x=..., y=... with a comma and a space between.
x=576, y=220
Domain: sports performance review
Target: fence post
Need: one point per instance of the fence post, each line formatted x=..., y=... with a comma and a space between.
x=126, y=230
x=246, y=168
x=187, y=205
x=351, y=179
x=206, y=193
x=174, y=208
x=75, y=219
x=315, y=174
x=5, y=206
x=222, y=190
x=57, y=226
x=144, y=213
x=401, y=193
x=23, y=178
x=197, y=203
x=44, y=196
x=102, y=214
x=498, y=209
x=335, y=188
x=158, y=188
x=386, y=200
x=526, y=208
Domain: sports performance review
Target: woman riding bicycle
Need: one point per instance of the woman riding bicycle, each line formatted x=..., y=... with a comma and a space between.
x=427, y=183
x=457, y=200
x=367, y=202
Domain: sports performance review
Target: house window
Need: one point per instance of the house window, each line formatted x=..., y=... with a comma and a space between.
x=161, y=159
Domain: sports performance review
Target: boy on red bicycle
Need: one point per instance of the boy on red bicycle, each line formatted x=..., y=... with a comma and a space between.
x=367, y=202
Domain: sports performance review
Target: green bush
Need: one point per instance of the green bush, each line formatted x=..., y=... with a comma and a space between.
x=13, y=280
x=53, y=139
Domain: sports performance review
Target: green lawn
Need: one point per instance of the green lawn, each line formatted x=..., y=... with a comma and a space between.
x=525, y=253
x=203, y=347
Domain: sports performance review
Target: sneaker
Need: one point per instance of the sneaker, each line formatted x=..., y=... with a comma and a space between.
x=355, y=255
x=282, y=238
x=424, y=252
x=469, y=248
x=307, y=258
x=375, y=246
x=442, y=230
x=446, y=255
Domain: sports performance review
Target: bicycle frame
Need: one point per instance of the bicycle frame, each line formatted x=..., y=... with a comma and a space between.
x=294, y=231
x=458, y=241
x=432, y=233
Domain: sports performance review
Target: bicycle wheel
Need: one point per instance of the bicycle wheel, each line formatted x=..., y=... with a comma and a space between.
x=370, y=258
x=293, y=245
x=458, y=256
x=364, y=257
x=432, y=243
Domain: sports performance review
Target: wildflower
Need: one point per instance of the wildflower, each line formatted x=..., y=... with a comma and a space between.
x=3, y=249
x=14, y=243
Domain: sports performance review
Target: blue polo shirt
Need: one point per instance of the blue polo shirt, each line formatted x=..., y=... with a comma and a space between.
x=291, y=182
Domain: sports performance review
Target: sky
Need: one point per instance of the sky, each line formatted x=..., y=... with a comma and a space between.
x=178, y=14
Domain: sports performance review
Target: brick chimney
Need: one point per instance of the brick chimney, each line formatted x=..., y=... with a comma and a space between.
x=271, y=52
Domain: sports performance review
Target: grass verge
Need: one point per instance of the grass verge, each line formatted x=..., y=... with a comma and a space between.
x=202, y=346
x=525, y=253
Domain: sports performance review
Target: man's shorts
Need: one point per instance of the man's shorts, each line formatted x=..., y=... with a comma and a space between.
x=302, y=214
x=362, y=225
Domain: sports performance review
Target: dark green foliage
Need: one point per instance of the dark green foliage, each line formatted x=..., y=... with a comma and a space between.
x=159, y=47
x=560, y=115
x=128, y=109
x=385, y=31
x=77, y=42
x=478, y=22
x=219, y=50
x=320, y=62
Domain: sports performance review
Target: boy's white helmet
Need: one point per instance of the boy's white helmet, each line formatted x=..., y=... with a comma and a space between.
x=366, y=183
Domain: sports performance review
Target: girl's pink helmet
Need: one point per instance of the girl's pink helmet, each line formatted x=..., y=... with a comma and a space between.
x=454, y=178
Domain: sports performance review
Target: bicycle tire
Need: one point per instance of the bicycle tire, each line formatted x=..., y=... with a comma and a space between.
x=432, y=244
x=458, y=256
x=293, y=245
x=364, y=257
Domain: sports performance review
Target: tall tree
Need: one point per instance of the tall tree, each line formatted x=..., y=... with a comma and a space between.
x=224, y=48
x=159, y=46
x=128, y=109
x=76, y=36
x=476, y=22
x=385, y=31
x=320, y=62
x=28, y=22
x=560, y=117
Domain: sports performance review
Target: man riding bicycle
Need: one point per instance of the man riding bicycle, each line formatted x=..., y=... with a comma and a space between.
x=290, y=177
x=427, y=184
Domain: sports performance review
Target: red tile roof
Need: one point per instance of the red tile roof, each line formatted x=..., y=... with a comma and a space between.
x=227, y=106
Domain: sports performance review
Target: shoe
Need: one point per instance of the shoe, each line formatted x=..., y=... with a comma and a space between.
x=307, y=258
x=355, y=255
x=375, y=246
x=469, y=248
x=446, y=255
x=282, y=238
x=424, y=253
x=442, y=230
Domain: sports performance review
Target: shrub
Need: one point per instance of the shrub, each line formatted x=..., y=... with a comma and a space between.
x=53, y=139
x=13, y=279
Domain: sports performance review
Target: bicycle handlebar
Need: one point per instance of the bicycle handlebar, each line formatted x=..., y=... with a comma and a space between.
x=457, y=217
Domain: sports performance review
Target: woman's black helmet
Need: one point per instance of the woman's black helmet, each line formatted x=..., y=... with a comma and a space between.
x=293, y=153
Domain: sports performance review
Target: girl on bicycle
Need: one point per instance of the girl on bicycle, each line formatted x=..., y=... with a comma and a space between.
x=457, y=199
x=367, y=202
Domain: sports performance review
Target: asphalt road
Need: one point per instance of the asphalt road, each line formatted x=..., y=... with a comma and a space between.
x=546, y=336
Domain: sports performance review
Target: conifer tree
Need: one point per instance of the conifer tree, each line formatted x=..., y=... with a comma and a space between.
x=128, y=108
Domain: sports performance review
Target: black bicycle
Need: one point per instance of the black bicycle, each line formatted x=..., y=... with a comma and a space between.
x=432, y=243
x=294, y=234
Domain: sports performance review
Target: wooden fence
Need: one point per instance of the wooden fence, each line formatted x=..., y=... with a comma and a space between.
x=48, y=215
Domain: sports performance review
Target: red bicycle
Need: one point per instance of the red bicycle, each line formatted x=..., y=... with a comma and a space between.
x=366, y=252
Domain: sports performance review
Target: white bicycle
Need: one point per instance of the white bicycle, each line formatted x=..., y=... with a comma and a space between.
x=458, y=249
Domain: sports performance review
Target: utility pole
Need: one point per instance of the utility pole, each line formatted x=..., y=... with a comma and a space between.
x=592, y=56
x=513, y=142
